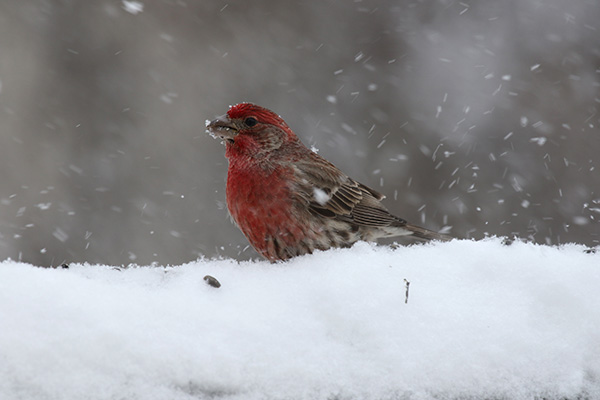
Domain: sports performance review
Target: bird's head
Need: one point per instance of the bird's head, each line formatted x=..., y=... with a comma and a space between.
x=251, y=130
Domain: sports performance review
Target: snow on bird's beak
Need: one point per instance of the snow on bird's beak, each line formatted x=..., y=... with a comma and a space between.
x=223, y=128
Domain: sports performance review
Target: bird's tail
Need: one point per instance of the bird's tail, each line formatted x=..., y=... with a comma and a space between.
x=426, y=234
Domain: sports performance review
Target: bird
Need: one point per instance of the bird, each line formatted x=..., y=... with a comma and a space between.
x=287, y=199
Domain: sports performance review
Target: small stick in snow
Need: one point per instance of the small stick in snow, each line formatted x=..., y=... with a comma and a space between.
x=407, y=286
x=212, y=281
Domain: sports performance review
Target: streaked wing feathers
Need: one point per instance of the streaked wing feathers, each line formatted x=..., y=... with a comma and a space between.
x=371, y=216
x=348, y=200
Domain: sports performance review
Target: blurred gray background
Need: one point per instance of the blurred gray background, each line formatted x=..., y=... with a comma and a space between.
x=477, y=116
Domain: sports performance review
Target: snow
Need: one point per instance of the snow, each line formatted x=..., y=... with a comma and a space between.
x=320, y=196
x=483, y=320
x=133, y=7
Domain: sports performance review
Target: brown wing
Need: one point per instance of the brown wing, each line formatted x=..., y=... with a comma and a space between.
x=332, y=194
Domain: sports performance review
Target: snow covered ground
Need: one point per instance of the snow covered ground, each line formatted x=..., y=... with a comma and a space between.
x=482, y=320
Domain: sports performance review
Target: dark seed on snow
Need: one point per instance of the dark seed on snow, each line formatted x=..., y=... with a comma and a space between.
x=212, y=281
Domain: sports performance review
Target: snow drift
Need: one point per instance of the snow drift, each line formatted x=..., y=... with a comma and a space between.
x=483, y=320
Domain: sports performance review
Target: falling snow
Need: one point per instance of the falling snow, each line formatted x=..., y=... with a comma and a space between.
x=133, y=7
x=451, y=110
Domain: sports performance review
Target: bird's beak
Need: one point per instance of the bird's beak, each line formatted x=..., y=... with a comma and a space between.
x=223, y=128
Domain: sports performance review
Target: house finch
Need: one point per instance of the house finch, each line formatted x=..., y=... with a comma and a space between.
x=288, y=200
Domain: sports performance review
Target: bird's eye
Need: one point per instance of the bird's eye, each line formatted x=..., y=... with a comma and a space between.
x=250, y=121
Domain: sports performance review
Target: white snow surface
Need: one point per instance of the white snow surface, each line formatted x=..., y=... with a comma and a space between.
x=483, y=320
